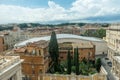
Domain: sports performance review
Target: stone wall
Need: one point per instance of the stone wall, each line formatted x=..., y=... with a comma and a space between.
x=73, y=77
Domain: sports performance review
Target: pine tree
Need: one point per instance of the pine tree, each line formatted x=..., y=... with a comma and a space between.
x=54, y=50
x=68, y=63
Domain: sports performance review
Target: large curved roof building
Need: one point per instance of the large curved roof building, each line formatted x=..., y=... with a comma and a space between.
x=99, y=43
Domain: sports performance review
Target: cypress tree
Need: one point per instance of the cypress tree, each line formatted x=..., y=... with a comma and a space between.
x=74, y=59
x=88, y=61
x=54, y=50
x=77, y=62
x=68, y=62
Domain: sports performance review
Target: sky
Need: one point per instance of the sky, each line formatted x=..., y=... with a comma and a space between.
x=59, y=11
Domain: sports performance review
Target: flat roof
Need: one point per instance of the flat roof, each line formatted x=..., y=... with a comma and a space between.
x=59, y=36
x=6, y=62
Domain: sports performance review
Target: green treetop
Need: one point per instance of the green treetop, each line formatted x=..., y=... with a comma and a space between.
x=68, y=62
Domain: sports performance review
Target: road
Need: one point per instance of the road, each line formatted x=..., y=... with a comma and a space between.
x=108, y=69
x=105, y=65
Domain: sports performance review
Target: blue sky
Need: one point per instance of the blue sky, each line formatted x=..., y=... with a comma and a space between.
x=46, y=11
x=36, y=3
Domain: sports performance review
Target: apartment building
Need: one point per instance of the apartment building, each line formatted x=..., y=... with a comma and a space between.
x=10, y=68
x=2, y=44
x=36, y=59
x=113, y=42
x=85, y=50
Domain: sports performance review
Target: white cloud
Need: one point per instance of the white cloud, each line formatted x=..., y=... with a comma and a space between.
x=80, y=9
x=85, y=8
x=11, y=13
x=95, y=7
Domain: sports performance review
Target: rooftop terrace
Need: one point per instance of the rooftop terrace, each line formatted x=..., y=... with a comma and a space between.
x=6, y=62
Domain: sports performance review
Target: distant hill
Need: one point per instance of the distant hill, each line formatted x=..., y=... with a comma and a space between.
x=28, y=25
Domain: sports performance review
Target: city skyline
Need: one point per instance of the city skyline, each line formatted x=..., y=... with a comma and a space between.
x=58, y=11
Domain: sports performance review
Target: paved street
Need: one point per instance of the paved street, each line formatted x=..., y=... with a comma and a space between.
x=101, y=56
x=108, y=69
x=105, y=65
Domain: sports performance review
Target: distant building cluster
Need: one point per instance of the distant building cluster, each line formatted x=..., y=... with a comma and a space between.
x=8, y=38
x=46, y=31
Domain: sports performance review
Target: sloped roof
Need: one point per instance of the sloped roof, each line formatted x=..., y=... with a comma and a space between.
x=59, y=36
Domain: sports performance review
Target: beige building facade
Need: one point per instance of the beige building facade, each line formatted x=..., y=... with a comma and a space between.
x=113, y=42
x=116, y=67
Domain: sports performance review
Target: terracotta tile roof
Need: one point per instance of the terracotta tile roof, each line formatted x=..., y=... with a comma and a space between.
x=20, y=50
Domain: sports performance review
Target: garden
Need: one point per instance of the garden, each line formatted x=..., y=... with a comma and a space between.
x=71, y=65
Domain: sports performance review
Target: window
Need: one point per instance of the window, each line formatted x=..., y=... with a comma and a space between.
x=33, y=52
x=33, y=71
x=40, y=71
x=33, y=66
x=39, y=52
x=81, y=57
x=10, y=78
x=61, y=57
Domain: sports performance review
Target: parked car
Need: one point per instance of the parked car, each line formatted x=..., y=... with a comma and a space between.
x=106, y=58
x=109, y=64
